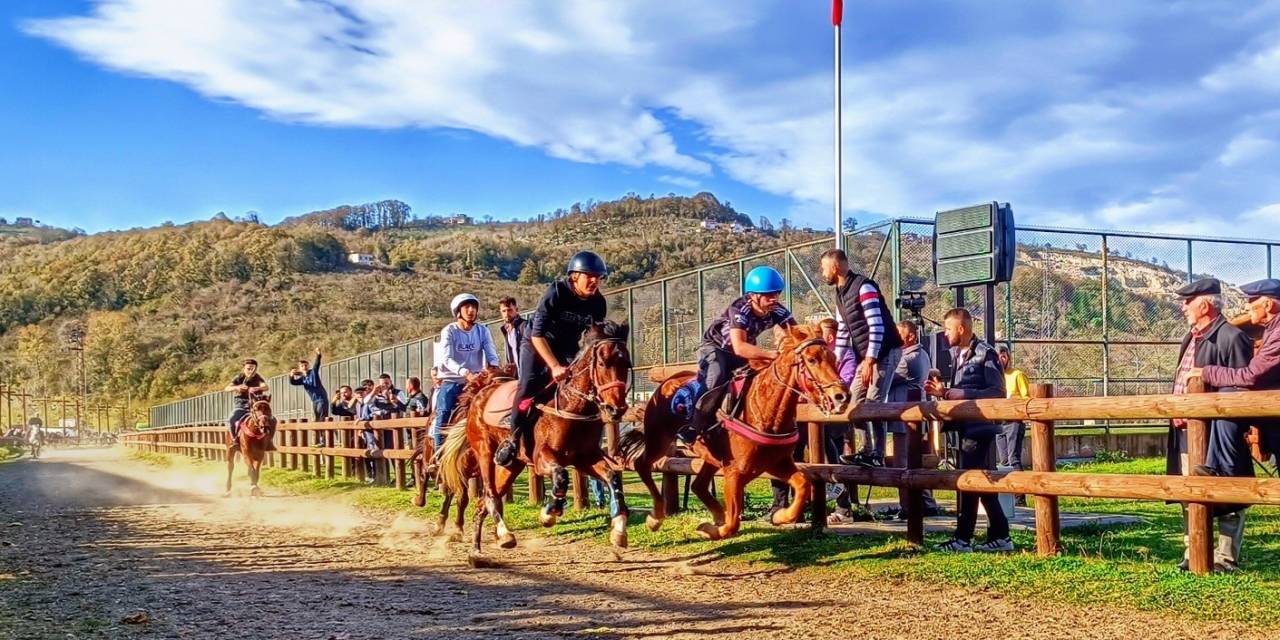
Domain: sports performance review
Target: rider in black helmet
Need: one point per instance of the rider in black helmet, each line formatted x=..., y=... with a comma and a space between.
x=566, y=310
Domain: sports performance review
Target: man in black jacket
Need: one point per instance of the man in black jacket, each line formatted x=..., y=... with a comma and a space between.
x=976, y=373
x=565, y=312
x=1212, y=341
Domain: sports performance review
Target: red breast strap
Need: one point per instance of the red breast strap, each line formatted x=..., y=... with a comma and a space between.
x=759, y=437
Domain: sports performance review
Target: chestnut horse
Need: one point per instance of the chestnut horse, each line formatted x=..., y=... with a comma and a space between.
x=568, y=433
x=762, y=440
x=452, y=479
x=252, y=441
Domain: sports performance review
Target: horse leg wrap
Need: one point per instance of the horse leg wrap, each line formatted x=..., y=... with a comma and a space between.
x=616, y=505
x=559, y=489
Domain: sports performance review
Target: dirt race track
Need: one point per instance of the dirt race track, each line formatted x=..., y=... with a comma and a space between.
x=89, y=539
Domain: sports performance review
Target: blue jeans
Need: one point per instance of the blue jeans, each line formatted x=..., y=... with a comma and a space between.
x=233, y=421
x=446, y=400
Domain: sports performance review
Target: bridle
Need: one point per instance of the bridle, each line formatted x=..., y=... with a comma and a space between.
x=592, y=396
x=808, y=382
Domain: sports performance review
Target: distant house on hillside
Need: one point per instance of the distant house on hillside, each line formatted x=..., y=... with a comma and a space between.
x=362, y=259
x=24, y=222
x=709, y=225
x=738, y=228
x=478, y=275
x=459, y=219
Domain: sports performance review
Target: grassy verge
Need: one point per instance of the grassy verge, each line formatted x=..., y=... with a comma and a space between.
x=1125, y=565
x=8, y=453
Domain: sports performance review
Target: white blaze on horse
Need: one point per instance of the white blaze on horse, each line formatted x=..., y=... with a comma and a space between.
x=252, y=442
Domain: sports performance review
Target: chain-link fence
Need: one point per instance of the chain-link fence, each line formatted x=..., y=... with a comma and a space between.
x=1092, y=312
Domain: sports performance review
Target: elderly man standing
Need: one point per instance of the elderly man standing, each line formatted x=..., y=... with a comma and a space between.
x=1262, y=373
x=1212, y=341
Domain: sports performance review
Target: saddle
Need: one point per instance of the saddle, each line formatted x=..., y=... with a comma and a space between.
x=684, y=401
x=497, y=407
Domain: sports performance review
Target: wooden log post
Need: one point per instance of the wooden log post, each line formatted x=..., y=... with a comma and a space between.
x=817, y=454
x=331, y=439
x=397, y=441
x=671, y=492
x=304, y=440
x=914, y=458
x=537, y=488
x=1043, y=458
x=580, y=490
x=1199, y=514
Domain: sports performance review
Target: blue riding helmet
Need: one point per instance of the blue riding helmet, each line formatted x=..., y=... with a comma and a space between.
x=587, y=262
x=764, y=280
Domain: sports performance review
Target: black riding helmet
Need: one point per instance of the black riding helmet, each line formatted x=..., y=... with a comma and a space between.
x=587, y=262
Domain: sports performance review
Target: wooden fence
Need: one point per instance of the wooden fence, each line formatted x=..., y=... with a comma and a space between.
x=294, y=451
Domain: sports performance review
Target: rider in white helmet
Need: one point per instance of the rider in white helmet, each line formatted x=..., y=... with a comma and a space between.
x=466, y=349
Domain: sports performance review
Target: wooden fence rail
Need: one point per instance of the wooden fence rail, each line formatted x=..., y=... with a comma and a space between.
x=1040, y=411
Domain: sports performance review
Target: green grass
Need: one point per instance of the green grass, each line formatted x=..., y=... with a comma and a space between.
x=8, y=454
x=1126, y=565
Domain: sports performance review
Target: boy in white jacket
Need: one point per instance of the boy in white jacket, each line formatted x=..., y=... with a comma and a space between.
x=466, y=349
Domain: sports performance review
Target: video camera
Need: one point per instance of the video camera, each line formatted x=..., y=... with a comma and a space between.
x=912, y=301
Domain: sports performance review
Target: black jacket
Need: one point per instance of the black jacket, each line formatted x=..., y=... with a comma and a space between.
x=977, y=377
x=562, y=317
x=1222, y=345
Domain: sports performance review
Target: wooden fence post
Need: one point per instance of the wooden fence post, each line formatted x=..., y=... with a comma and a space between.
x=671, y=492
x=1043, y=458
x=397, y=442
x=304, y=439
x=537, y=488
x=580, y=500
x=914, y=458
x=331, y=440
x=818, y=491
x=1199, y=514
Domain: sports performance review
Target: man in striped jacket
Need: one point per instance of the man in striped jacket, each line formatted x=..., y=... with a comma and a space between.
x=866, y=342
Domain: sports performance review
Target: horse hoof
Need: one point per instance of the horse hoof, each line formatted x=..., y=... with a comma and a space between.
x=546, y=520
x=652, y=523
x=442, y=525
x=709, y=531
x=454, y=536
x=507, y=542
x=226, y=494
x=255, y=492
x=419, y=502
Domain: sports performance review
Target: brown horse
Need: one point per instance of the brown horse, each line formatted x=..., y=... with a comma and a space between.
x=452, y=479
x=252, y=441
x=568, y=433
x=761, y=440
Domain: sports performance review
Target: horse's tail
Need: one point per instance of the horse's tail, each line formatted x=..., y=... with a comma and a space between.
x=452, y=453
x=631, y=445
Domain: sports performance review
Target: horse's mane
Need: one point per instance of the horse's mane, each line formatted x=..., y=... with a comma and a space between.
x=607, y=330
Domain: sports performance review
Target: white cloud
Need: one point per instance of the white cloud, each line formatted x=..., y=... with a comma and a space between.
x=1245, y=147
x=1062, y=113
x=1269, y=214
x=679, y=181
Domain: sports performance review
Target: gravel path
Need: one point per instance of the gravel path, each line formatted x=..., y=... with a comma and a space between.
x=89, y=539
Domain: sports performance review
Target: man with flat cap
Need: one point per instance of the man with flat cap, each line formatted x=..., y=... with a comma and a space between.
x=1263, y=371
x=1212, y=342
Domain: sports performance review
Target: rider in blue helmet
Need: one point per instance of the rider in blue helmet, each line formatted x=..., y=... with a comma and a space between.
x=730, y=342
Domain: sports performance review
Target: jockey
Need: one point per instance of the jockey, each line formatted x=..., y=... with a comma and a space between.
x=566, y=310
x=466, y=349
x=731, y=340
x=36, y=437
x=246, y=385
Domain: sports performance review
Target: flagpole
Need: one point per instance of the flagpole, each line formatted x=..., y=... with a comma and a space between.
x=837, y=16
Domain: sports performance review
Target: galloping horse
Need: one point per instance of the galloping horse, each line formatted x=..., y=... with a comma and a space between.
x=452, y=478
x=761, y=439
x=568, y=433
x=252, y=441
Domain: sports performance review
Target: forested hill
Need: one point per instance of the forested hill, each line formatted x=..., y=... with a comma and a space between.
x=167, y=312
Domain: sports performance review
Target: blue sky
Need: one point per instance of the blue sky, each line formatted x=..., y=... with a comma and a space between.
x=1125, y=115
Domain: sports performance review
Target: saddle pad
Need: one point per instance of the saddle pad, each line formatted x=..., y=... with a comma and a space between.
x=497, y=406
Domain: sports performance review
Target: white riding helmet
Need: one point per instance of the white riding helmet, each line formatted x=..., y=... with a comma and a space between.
x=461, y=299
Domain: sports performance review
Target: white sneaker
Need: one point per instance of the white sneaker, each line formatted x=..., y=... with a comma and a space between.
x=955, y=546
x=1002, y=545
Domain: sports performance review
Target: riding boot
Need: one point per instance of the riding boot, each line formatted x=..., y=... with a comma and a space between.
x=694, y=428
x=781, y=498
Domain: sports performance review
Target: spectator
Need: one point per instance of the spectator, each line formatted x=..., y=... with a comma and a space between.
x=466, y=349
x=246, y=387
x=910, y=375
x=307, y=376
x=976, y=374
x=1212, y=341
x=827, y=328
x=413, y=398
x=1009, y=440
x=867, y=340
x=512, y=328
x=383, y=400
x=344, y=403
